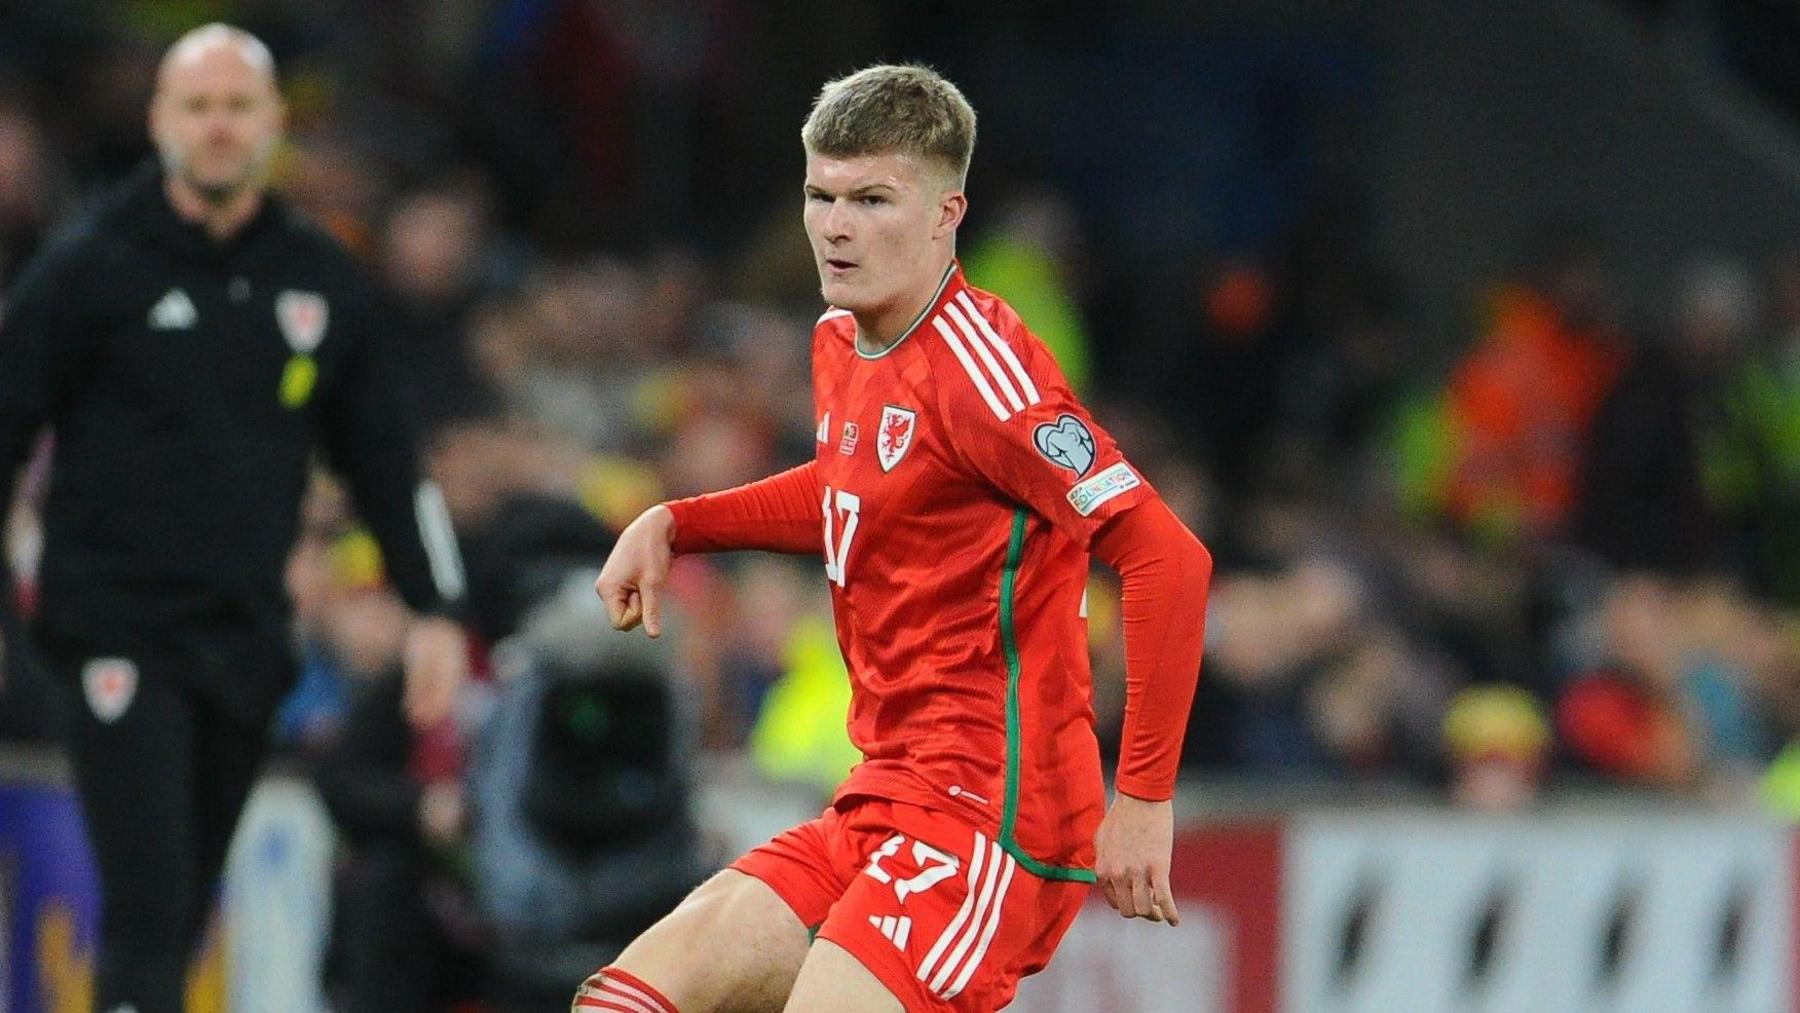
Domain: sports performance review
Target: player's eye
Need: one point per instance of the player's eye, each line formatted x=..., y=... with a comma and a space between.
x=872, y=199
x=818, y=195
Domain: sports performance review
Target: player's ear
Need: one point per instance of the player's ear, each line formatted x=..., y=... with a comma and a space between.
x=951, y=209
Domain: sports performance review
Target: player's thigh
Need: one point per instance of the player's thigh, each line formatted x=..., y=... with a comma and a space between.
x=833, y=979
x=732, y=945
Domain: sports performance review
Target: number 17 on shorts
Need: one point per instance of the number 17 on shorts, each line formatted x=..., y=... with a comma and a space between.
x=943, y=930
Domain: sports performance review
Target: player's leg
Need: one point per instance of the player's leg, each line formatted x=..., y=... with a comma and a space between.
x=131, y=743
x=833, y=979
x=737, y=942
x=732, y=945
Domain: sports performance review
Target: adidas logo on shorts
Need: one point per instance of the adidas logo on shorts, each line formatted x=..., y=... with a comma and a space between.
x=894, y=930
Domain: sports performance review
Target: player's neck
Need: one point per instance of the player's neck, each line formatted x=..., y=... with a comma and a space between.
x=878, y=331
x=220, y=219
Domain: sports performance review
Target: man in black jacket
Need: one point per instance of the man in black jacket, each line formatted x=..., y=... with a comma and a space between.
x=189, y=346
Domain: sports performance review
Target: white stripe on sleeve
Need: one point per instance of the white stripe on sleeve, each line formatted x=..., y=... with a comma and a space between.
x=975, y=374
x=987, y=357
x=439, y=538
x=1005, y=350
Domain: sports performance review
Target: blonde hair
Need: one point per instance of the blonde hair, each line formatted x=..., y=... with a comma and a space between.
x=893, y=109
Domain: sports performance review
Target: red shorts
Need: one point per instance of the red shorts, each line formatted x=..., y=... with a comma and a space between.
x=939, y=913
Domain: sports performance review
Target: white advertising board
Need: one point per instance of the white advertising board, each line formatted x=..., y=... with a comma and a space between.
x=1589, y=913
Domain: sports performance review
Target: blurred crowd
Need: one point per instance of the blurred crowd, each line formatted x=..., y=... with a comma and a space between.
x=1751, y=42
x=1562, y=546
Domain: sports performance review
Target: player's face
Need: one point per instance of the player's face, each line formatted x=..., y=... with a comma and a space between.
x=875, y=222
x=215, y=119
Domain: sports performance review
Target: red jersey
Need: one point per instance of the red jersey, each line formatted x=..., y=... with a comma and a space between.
x=960, y=484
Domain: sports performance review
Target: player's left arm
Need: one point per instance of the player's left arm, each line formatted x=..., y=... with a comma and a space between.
x=371, y=439
x=1020, y=427
x=1166, y=573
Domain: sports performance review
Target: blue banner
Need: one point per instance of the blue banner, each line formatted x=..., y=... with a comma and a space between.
x=49, y=901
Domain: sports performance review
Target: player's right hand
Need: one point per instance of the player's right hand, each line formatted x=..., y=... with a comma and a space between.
x=632, y=580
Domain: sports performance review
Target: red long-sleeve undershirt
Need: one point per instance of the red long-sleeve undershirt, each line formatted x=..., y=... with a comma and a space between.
x=1164, y=570
x=775, y=514
x=1165, y=573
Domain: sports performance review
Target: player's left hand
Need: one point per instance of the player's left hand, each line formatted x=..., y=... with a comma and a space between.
x=1132, y=866
x=437, y=661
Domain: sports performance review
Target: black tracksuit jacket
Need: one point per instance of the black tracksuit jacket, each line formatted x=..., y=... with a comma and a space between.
x=188, y=383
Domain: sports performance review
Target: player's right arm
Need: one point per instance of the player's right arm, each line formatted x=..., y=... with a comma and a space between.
x=776, y=514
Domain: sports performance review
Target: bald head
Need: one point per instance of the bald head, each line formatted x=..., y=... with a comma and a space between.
x=208, y=41
x=216, y=115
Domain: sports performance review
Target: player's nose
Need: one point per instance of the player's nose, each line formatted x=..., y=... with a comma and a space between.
x=836, y=224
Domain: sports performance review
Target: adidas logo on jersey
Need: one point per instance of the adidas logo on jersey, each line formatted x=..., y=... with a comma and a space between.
x=173, y=312
x=894, y=930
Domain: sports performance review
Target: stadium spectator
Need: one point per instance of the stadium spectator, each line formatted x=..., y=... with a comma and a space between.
x=1669, y=466
x=1520, y=405
x=405, y=936
x=433, y=244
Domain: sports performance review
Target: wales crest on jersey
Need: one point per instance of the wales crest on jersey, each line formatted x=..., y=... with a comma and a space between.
x=896, y=435
x=302, y=317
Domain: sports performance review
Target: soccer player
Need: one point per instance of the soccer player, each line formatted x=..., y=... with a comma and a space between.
x=957, y=490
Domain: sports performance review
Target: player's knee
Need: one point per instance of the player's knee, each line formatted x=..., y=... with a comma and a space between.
x=736, y=913
x=612, y=988
x=730, y=941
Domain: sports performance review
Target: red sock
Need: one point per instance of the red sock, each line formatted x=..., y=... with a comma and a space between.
x=616, y=991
